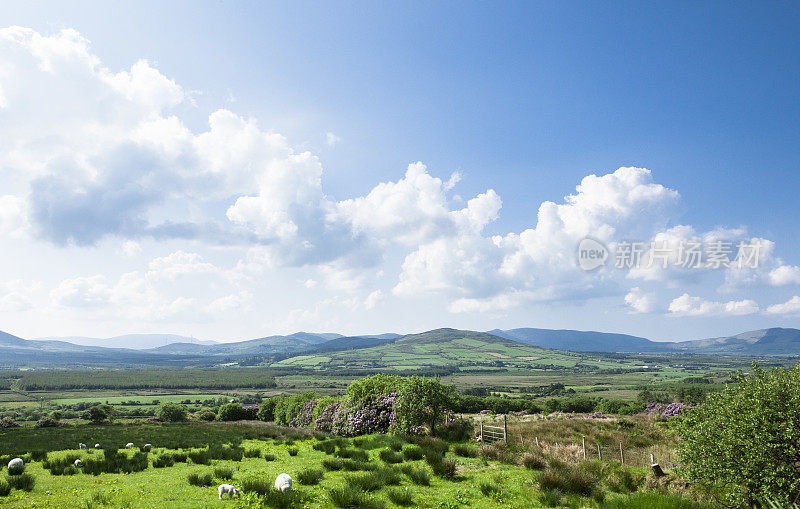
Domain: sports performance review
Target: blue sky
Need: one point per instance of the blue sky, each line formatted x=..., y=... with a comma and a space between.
x=525, y=99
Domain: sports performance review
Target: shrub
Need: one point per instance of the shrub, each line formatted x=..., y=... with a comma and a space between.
x=225, y=452
x=457, y=430
x=354, y=454
x=351, y=496
x=266, y=411
x=413, y=453
x=232, y=412
x=5, y=488
x=293, y=451
x=374, y=385
x=739, y=441
x=352, y=465
x=445, y=469
x=418, y=476
x=389, y=456
x=423, y=401
x=401, y=497
x=23, y=482
x=310, y=476
x=327, y=446
x=225, y=473
x=283, y=500
x=180, y=457
x=47, y=422
x=533, y=461
x=198, y=479
x=199, y=456
x=435, y=445
x=465, y=451
x=332, y=464
x=568, y=479
x=172, y=412
x=207, y=416
x=164, y=460
x=489, y=489
x=252, y=452
x=99, y=414
x=269, y=457
x=8, y=422
x=364, y=482
x=38, y=455
x=254, y=484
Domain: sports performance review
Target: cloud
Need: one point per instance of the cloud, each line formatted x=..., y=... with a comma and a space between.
x=785, y=275
x=15, y=295
x=13, y=215
x=331, y=139
x=790, y=307
x=686, y=305
x=640, y=301
x=131, y=248
x=373, y=299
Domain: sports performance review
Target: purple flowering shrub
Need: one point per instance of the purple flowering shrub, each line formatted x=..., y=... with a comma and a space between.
x=8, y=422
x=375, y=414
x=324, y=422
x=305, y=416
x=665, y=411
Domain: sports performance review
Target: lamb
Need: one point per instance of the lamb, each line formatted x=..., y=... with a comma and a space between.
x=81, y=446
x=96, y=446
x=147, y=447
x=129, y=445
x=283, y=483
x=228, y=489
x=78, y=463
x=16, y=464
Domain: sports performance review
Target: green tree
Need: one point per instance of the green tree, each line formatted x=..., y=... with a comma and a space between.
x=743, y=444
x=374, y=385
x=231, y=412
x=423, y=401
x=172, y=412
x=99, y=414
x=266, y=411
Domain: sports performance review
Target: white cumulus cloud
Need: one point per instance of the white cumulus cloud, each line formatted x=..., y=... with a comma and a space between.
x=686, y=305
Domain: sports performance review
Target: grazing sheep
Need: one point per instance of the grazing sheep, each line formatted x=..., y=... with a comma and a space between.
x=228, y=489
x=81, y=446
x=78, y=463
x=96, y=446
x=129, y=445
x=283, y=483
x=147, y=447
x=16, y=466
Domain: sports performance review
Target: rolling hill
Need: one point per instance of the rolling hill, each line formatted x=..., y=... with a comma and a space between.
x=130, y=341
x=438, y=348
x=583, y=341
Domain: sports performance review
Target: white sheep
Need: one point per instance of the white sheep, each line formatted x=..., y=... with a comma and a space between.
x=283, y=483
x=96, y=446
x=15, y=464
x=81, y=446
x=147, y=447
x=78, y=463
x=129, y=445
x=228, y=489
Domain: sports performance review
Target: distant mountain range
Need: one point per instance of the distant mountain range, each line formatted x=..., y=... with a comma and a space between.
x=150, y=348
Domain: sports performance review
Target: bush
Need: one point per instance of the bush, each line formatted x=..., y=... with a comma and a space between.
x=418, y=476
x=283, y=500
x=172, y=412
x=38, y=455
x=364, y=482
x=389, y=456
x=533, y=461
x=23, y=482
x=401, y=497
x=5, y=488
x=207, y=416
x=326, y=446
x=354, y=454
x=489, y=489
x=351, y=496
x=740, y=441
x=465, y=451
x=232, y=412
x=433, y=445
x=266, y=411
x=63, y=465
x=252, y=452
x=310, y=476
x=180, y=457
x=458, y=430
x=199, y=456
x=353, y=465
x=202, y=480
x=225, y=473
x=269, y=457
x=332, y=464
x=99, y=414
x=163, y=461
x=293, y=451
x=423, y=401
x=413, y=453
x=568, y=479
x=47, y=422
x=254, y=484
x=445, y=469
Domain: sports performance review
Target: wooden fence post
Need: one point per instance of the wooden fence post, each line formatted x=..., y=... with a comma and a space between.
x=583, y=441
x=599, y=454
x=537, y=441
x=621, y=454
x=482, y=439
x=505, y=428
